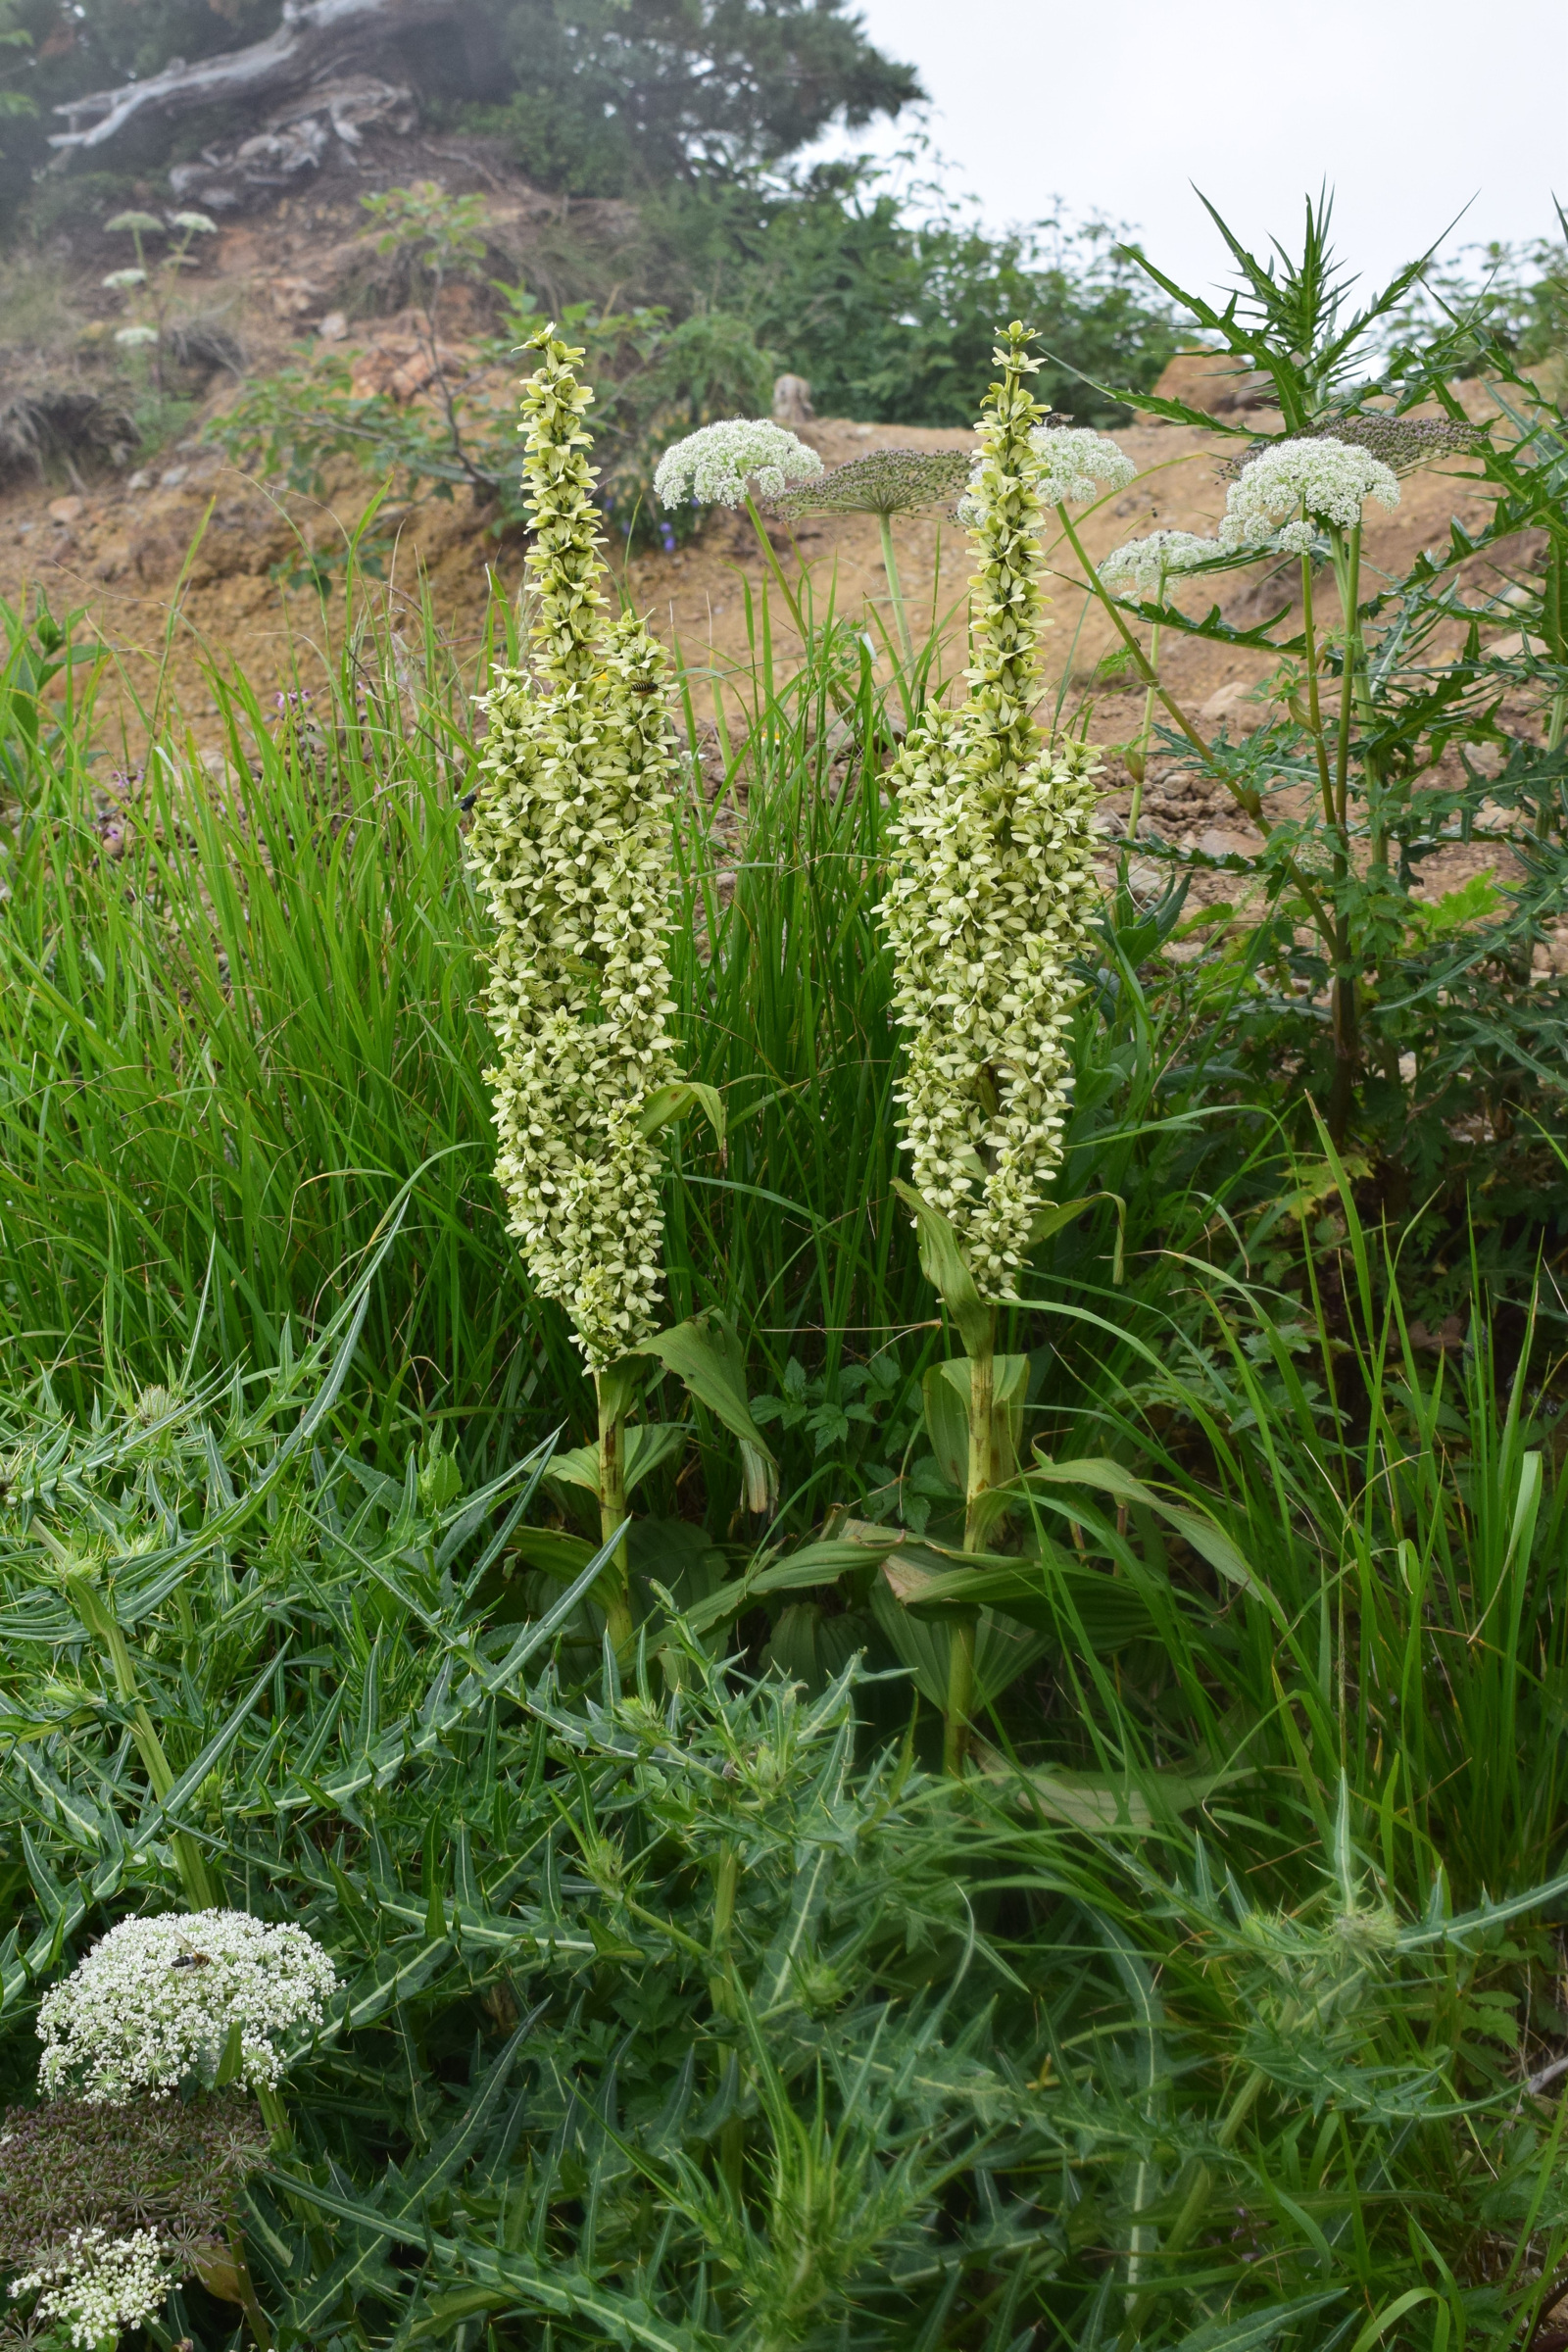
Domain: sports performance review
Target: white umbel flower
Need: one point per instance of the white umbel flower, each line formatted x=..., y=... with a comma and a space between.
x=99, y=2285
x=994, y=887
x=1074, y=466
x=1280, y=496
x=1077, y=465
x=1142, y=564
x=571, y=846
x=715, y=465
x=153, y=2004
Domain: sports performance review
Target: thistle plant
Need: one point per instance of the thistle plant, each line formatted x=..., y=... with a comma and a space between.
x=1359, y=774
x=572, y=844
x=884, y=482
x=993, y=890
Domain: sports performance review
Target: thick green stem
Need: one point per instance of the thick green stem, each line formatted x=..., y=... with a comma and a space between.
x=1146, y=733
x=1344, y=997
x=274, y=2115
x=247, y=2288
x=982, y=1476
x=97, y=1614
x=722, y=1992
x=612, y=1502
x=890, y=564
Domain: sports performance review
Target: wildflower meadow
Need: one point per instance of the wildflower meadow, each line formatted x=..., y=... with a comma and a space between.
x=784, y=1562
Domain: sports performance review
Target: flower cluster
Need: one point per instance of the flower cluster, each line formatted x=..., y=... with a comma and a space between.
x=716, y=465
x=99, y=2284
x=1077, y=465
x=885, y=481
x=571, y=846
x=103, y=2209
x=154, y=2005
x=1145, y=564
x=1291, y=486
x=992, y=886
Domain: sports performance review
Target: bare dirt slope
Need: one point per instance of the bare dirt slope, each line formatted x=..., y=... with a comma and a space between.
x=184, y=565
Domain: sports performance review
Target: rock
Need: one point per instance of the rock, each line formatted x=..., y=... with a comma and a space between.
x=792, y=401
x=1223, y=702
x=333, y=328
x=1215, y=844
x=174, y=478
x=67, y=510
x=139, y=479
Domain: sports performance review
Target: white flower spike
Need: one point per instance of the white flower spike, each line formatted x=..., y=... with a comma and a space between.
x=571, y=846
x=716, y=466
x=153, y=2004
x=994, y=886
x=1281, y=494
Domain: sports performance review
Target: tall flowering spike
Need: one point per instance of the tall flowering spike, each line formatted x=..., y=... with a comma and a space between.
x=572, y=845
x=992, y=887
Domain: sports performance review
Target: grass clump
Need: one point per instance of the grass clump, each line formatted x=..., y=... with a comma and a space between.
x=692, y=1988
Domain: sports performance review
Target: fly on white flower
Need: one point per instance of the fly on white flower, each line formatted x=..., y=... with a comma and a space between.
x=1281, y=494
x=716, y=466
x=154, y=2005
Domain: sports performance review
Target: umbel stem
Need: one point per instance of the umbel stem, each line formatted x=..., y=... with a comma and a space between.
x=890, y=564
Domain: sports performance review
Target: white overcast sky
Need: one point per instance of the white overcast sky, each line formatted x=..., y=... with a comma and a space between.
x=1410, y=107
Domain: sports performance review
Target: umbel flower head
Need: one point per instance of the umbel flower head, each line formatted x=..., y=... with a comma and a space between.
x=103, y=2209
x=1145, y=564
x=715, y=465
x=1075, y=466
x=992, y=888
x=571, y=846
x=97, y=2285
x=1292, y=486
x=155, y=2004
x=885, y=481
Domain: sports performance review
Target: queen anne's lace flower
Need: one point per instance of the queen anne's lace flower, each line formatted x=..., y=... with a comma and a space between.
x=1145, y=564
x=992, y=888
x=1074, y=466
x=885, y=481
x=1291, y=486
x=99, y=2284
x=572, y=845
x=155, y=2002
x=716, y=465
x=1077, y=465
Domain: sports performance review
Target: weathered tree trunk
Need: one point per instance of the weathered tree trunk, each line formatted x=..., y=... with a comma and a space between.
x=315, y=38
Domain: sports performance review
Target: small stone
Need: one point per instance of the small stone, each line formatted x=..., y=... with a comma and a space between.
x=67, y=510
x=139, y=479
x=1215, y=844
x=333, y=328
x=174, y=478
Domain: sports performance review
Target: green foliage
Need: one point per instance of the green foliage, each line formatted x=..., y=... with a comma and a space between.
x=604, y=96
x=612, y=96
x=1407, y=726
x=887, y=295
x=652, y=382
x=680, y=2011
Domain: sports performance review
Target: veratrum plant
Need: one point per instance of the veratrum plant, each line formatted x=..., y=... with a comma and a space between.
x=572, y=845
x=992, y=894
